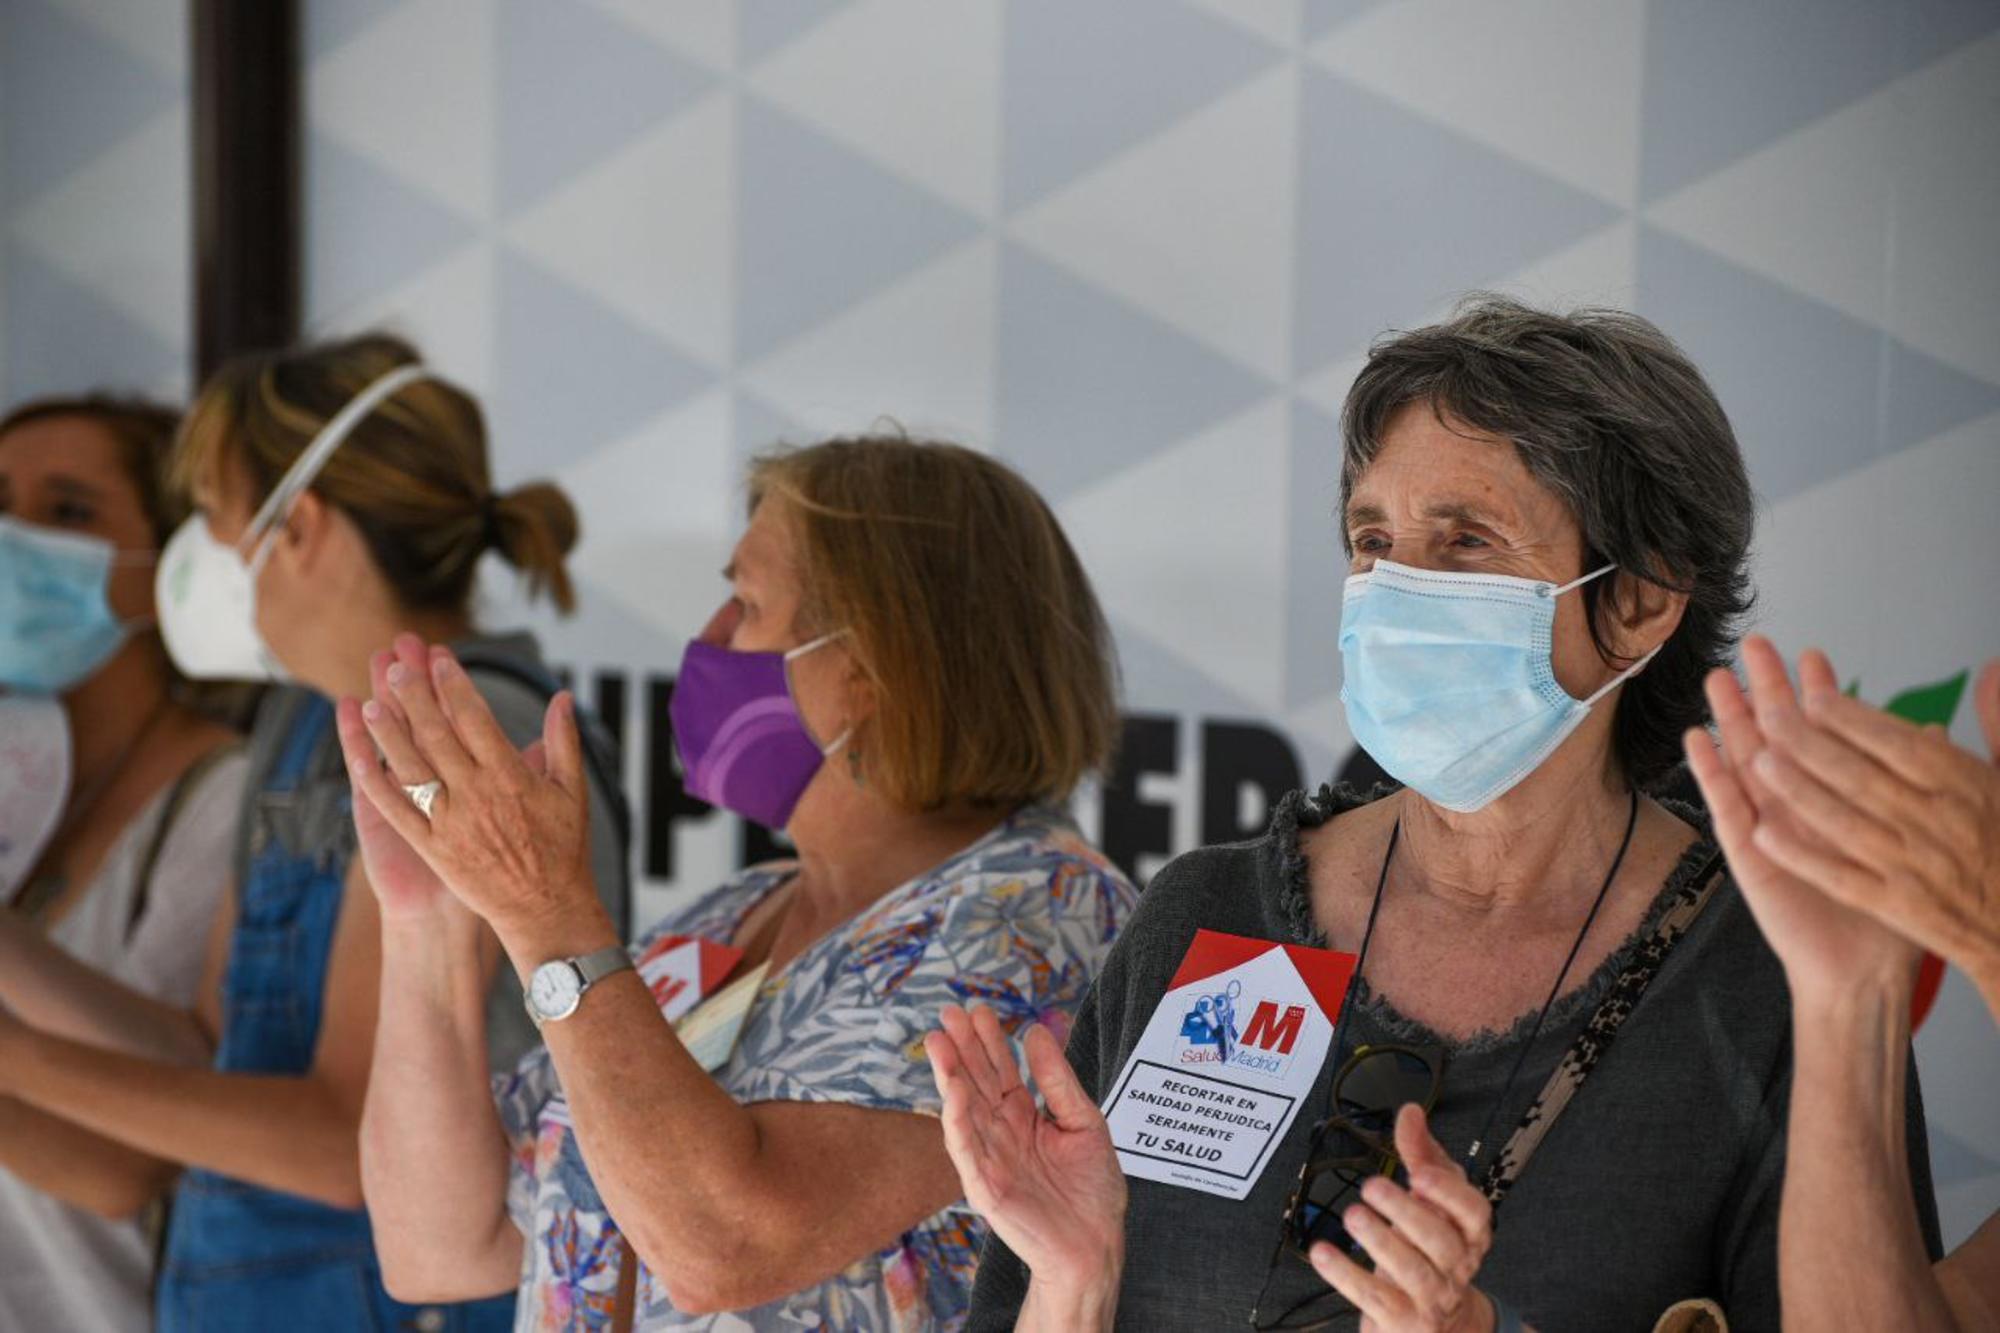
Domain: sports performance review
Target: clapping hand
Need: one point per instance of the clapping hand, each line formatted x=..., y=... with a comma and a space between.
x=1753, y=786
x=1891, y=819
x=404, y=886
x=1048, y=1183
x=508, y=833
x=1427, y=1241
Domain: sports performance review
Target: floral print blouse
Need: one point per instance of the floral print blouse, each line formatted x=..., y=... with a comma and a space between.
x=1021, y=920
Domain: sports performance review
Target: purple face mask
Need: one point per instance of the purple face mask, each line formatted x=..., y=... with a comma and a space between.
x=742, y=742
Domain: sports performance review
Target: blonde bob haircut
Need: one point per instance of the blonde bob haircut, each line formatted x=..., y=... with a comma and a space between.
x=993, y=670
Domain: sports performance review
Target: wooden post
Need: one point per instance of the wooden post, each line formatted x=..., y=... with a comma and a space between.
x=246, y=177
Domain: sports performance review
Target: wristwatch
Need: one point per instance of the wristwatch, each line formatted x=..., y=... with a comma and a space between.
x=556, y=988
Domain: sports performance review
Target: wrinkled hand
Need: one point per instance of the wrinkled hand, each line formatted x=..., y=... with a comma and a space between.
x=1427, y=1242
x=1825, y=947
x=509, y=834
x=1891, y=819
x=1049, y=1184
x=404, y=886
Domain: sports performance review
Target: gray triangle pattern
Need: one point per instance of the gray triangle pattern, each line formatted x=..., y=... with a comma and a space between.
x=613, y=375
x=392, y=230
x=1384, y=200
x=1804, y=384
x=66, y=95
x=64, y=338
x=820, y=228
x=1088, y=385
x=1711, y=96
x=1084, y=81
x=329, y=23
x=1955, y=1161
x=1316, y=560
x=1323, y=16
x=757, y=427
x=764, y=27
x=551, y=129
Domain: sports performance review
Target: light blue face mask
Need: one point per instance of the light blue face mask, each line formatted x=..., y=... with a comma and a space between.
x=1448, y=680
x=56, y=628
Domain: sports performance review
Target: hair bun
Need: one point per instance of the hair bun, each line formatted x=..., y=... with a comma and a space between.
x=534, y=528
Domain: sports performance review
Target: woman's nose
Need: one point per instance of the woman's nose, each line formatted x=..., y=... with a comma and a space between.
x=721, y=626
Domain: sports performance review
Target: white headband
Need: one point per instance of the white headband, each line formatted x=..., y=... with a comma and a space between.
x=307, y=469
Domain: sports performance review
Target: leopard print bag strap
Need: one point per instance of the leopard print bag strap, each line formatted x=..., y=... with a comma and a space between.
x=1595, y=1039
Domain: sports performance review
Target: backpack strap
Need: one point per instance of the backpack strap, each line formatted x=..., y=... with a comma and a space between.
x=600, y=752
x=1596, y=1037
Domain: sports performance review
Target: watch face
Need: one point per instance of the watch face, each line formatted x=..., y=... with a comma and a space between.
x=554, y=989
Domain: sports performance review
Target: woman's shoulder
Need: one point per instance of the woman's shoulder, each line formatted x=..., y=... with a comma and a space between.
x=714, y=913
x=1045, y=833
x=1035, y=869
x=1028, y=851
x=1022, y=919
x=1723, y=955
x=195, y=813
x=279, y=711
x=518, y=698
x=209, y=791
x=1259, y=885
x=1723, y=936
x=1708, y=966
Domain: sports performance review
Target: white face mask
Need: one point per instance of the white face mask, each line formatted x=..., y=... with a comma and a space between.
x=207, y=591
x=207, y=598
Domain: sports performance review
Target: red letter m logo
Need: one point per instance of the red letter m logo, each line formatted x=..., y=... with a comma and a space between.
x=1267, y=1030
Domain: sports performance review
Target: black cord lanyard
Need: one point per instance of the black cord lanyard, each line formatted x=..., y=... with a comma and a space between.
x=1368, y=934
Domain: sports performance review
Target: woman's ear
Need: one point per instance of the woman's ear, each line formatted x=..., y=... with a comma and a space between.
x=860, y=695
x=1639, y=615
x=302, y=533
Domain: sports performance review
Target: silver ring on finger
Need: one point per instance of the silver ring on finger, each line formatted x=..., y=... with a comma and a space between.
x=423, y=794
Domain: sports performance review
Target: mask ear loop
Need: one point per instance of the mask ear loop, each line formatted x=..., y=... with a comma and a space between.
x=1622, y=677
x=1578, y=583
x=128, y=559
x=1630, y=671
x=792, y=655
x=311, y=462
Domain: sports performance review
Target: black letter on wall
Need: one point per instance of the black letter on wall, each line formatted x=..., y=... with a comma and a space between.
x=1132, y=828
x=667, y=801
x=1235, y=754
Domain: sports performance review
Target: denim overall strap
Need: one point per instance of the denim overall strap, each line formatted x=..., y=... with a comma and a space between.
x=288, y=905
x=239, y=1256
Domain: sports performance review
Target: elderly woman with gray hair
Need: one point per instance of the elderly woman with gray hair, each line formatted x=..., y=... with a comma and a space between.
x=1421, y=1121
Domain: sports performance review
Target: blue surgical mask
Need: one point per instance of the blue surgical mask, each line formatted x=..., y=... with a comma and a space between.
x=56, y=627
x=1449, y=684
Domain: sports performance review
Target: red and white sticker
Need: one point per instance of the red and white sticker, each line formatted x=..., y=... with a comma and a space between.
x=1226, y=1061
x=681, y=970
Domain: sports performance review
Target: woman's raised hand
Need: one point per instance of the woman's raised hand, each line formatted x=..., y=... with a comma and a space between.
x=404, y=886
x=1891, y=819
x=509, y=837
x=1427, y=1242
x=1825, y=947
x=1049, y=1184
